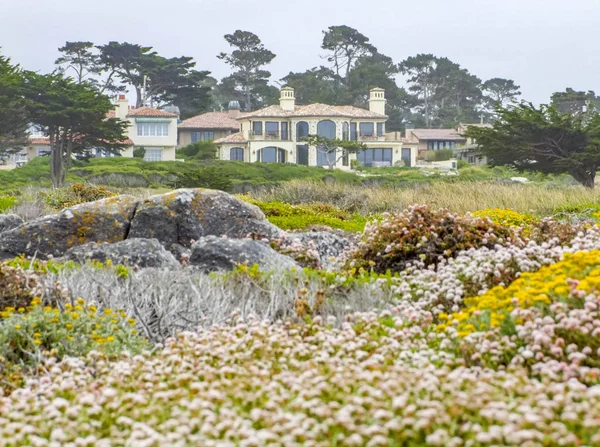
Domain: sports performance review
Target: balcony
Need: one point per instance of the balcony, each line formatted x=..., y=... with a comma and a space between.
x=268, y=136
x=370, y=137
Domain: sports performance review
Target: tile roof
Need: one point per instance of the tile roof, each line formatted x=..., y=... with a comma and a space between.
x=111, y=114
x=149, y=111
x=233, y=138
x=43, y=140
x=435, y=134
x=211, y=120
x=316, y=109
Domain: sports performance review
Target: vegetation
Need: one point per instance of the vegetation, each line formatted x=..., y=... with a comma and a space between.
x=332, y=147
x=14, y=122
x=202, y=150
x=543, y=140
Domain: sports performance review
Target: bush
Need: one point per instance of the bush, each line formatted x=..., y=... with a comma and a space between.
x=17, y=288
x=202, y=150
x=506, y=217
x=7, y=203
x=211, y=177
x=139, y=152
x=422, y=234
x=439, y=155
x=76, y=194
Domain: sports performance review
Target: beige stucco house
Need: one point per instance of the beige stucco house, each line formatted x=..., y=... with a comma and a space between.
x=433, y=139
x=275, y=134
x=468, y=151
x=209, y=126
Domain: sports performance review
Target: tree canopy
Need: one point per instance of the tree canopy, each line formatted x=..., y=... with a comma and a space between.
x=334, y=148
x=544, y=140
x=14, y=122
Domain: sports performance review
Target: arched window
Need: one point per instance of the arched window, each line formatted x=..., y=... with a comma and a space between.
x=271, y=155
x=301, y=130
x=345, y=131
x=236, y=153
x=325, y=128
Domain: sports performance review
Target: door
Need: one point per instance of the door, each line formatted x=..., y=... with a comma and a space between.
x=406, y=156
x=302, y=155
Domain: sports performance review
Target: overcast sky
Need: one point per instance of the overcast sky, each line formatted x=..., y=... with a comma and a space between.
x=543, y=45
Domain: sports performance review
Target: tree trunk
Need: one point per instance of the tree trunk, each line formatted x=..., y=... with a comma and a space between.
x=586, y=178
x=139, y=100
x=57, y=169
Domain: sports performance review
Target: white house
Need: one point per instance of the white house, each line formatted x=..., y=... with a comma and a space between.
x=275, y=134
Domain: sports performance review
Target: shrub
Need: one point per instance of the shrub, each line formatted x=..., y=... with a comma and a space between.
x=17, y=288
x=202, y=150
x=7, y=203
x=422, y=234
x=211, y=177
x=139, y=152
x=506, y=217
x=76, y=194
x=439, y=155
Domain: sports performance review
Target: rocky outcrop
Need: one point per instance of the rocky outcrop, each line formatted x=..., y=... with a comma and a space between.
x=186, y=215
x=9, y=221
x=326, y=248
x=105, y=220
x=212, y=253
x=130, y=252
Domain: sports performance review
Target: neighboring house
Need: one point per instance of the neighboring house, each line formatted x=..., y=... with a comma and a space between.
x=275, y=134
x=209, y=126
x=153, y=129
x=433, y=139
x=468, y=151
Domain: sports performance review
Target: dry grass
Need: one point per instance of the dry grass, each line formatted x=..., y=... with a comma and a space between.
x=457, y=197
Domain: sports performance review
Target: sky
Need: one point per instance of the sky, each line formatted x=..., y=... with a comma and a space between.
x=543, y=45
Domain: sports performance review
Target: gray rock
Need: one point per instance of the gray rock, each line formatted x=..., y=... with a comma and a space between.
x=9, y=221
x=212, y=253
x=329, y=246
x=105, y=220
x=186, y=215
x=131, y=252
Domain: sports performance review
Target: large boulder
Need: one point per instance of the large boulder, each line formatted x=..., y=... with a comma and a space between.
x=213, y=253
x=105, y=220
x=9, y=221
x=131, y=252
x=186, y=215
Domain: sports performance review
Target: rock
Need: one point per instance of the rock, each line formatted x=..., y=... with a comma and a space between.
x=105, y=220
x=9, y=221
x=328, y=246
x=213, y=253
x=186, y=215
x=520, y=179
x=130, y=252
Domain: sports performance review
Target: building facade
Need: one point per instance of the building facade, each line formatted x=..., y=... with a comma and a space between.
x=209, y=126
x=275, y=134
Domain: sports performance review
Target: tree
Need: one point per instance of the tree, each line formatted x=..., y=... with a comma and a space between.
x=319, y=84
x=500, y=92
x=346, y=45
x=420, y=70
x=544, y=140
x=248, y=59
x=575, y=102
x=74, y=118
x=331, y=147
x=14, y=121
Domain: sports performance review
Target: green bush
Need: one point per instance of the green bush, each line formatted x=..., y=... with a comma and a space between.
x=76, y=194
x=7, y=203
x=202, y=150
x=422, y=234
x=439, y=155
x=139, y=152
x=211, y=177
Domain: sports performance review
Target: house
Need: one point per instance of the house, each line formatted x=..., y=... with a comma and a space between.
x=275, y=134
x=468, y=151
x=153, y=129
x=209, y=126
x=433, y=139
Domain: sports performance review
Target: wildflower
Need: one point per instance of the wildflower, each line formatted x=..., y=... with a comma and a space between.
x=17, y=326
x=69, y=326
x=37, y=342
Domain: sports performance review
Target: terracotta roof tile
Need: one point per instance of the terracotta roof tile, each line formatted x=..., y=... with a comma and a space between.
x=43, y=140
x=151, y=112
x=111, y=114
x=233, y=138
x=211, y=120
x=316, y=109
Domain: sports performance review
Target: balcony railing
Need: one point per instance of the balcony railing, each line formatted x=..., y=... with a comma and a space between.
x=269, y=136
x=370, y=137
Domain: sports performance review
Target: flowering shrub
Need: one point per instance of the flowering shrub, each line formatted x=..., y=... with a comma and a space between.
x=506, y=217
x=17, y=287
x=29, y=334
x=422, y=234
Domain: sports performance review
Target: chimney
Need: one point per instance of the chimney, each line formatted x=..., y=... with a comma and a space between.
x=377, y=101
x=287, y=100
x=122, y=107
x=233, y=109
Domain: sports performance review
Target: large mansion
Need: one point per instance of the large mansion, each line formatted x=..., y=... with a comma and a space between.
x=275, y=134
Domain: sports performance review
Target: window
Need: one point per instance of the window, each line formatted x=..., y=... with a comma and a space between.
x=326, y=128
x=302, y=154
x=301, y=130
x=195, y=137
x=367, y=157
x=270, y=155
x=236, y=153
x=436, y=145
x=203, y=136
x=41, y=152
x=366, y=129
x=153, y=154
x=284, y=131
x=323, y=158
x=152, y=129
x=208, y=136
x=257, y=127
x=353, y=132
x=380, y=130
x=272, y=129
x=345, y=132
x=345, y=160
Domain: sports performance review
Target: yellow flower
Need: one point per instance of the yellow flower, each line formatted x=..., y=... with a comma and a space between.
x=78, y=308
x=92, y=308
x=70, y=338
x=37, y=335
x=36, y=301
x=21, y=309
x=69, y=326
x=107, y=311
x=37, y=342
x=17, y=326
x=110, y=338
x=68, y=306
x=80, y=301
x=47, y=309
